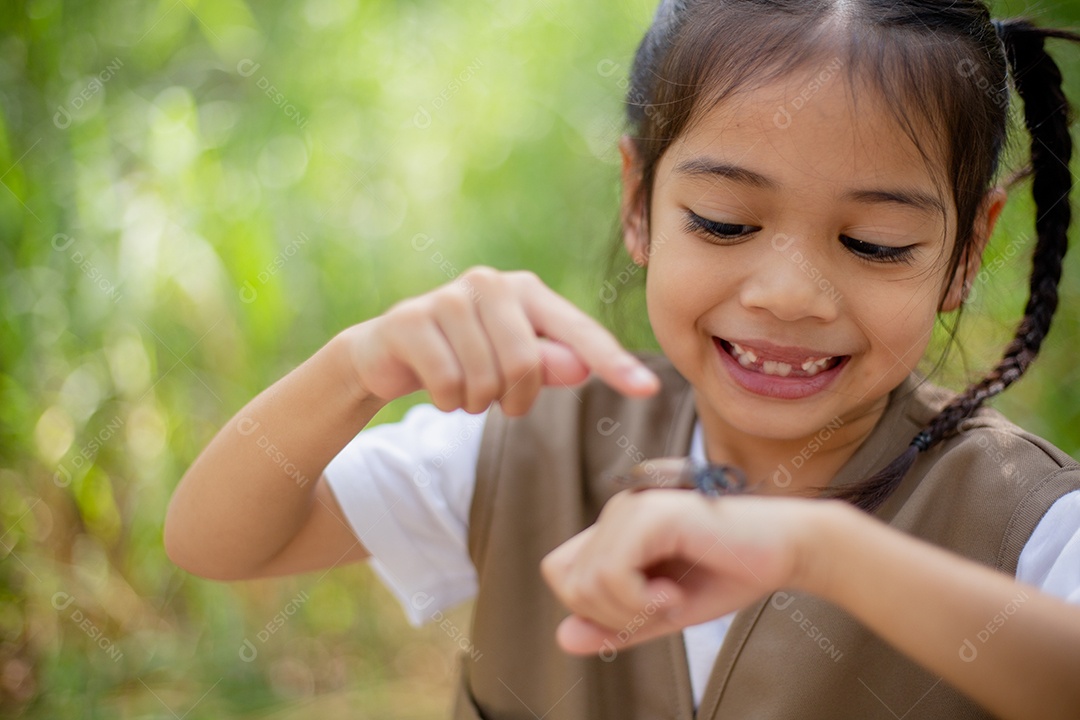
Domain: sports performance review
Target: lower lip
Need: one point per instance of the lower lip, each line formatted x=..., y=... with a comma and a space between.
x=775, y=386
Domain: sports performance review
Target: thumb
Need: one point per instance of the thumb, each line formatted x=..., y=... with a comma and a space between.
x=561, y=365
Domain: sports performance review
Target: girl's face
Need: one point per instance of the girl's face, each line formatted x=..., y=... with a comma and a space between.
x=797, y=256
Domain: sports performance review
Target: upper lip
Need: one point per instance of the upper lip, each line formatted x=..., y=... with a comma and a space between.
x=791, y=354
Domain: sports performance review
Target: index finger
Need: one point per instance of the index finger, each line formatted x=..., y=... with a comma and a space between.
x=556, y=318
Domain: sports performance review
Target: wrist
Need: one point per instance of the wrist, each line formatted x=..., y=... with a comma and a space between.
x=823, y=545
x=340, y=350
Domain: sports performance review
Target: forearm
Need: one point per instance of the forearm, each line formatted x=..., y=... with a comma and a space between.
x=252, y=487
x=1007, y=645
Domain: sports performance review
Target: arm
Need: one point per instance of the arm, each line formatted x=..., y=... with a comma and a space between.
x=932, y=605
x=253, y=503
x=706, y=558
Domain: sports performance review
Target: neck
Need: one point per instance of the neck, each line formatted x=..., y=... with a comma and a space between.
x=789, y=466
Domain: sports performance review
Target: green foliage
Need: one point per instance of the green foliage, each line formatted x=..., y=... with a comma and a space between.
x=196, y=196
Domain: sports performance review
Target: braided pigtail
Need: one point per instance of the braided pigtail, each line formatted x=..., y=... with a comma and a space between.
x=1047, y=116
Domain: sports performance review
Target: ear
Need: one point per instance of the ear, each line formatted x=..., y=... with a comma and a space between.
x=966, y=272
x=635, y=232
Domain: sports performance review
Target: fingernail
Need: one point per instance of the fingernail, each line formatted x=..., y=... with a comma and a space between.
x=642, y=376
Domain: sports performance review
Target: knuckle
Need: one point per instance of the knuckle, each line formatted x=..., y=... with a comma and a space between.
x=480, y=274
x=576, y=593
x=622, y=504
x=549, y=569
x=483, y=390
x=617, y=502
x=589, y=590
x=527, y=277
x=446, y=386
x=607, y=577
x=412, y=310
x=454, y=302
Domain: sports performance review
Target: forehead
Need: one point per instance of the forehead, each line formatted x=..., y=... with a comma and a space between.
x=816, y=126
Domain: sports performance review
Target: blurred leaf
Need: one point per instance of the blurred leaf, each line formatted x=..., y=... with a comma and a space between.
x=197, y=195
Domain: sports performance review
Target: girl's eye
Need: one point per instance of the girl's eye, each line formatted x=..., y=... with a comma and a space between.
x=725, y=231
x=877, y=253
x=731, y=231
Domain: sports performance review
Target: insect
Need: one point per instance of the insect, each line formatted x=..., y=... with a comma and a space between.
x=707, y=478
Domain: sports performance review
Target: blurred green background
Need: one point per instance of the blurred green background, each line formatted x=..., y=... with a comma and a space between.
x=196, y=196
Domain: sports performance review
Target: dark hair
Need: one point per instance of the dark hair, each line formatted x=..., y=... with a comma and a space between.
x=949, y=59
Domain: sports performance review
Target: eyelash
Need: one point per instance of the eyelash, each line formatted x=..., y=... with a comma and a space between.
x=879, y=253
x=725, y=231
x=863, y=250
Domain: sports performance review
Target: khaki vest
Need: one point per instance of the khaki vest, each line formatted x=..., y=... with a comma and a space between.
x=540, y=480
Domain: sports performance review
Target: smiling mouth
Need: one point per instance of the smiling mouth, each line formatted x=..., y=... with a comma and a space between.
x=768, y=363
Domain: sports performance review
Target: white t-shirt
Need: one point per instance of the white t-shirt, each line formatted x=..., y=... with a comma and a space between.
x=406, y=489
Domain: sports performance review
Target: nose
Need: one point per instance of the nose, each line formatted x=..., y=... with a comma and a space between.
x=792, y=283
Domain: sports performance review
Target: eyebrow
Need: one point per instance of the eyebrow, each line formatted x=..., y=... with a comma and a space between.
x=904, y=197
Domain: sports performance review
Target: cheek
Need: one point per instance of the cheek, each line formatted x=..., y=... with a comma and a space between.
x=681, y=275
x=668, y=295
x=681, y=291
x=901, y=327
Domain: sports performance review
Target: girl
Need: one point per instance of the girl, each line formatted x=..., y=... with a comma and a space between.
x=808, y=185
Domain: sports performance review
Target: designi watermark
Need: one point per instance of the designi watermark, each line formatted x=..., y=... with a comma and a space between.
x=422, y=601
x=63, y=117
x=86, y=454
x=62, y=242
x=247, y=426
x=782, y=601
x=782, y=477
x=422, y=118
x=61, y=601
x=969, y=651
x=608, y=652
x=249, y=293
x=248, y=67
